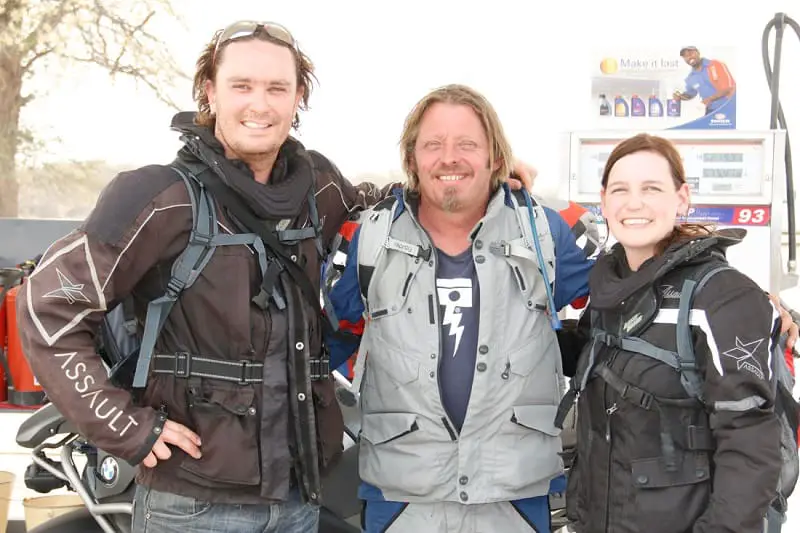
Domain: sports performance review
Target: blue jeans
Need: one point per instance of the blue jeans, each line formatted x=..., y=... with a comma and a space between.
x=163, y=512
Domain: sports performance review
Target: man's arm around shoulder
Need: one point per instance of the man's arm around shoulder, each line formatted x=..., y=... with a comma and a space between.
x=337, y=197
x=346, y=299
x=573, y=265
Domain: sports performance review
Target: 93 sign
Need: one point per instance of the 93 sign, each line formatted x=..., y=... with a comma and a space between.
x=751, y=216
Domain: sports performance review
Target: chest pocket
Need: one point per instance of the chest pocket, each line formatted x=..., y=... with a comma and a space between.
x=398, y=263
x=531, y=256
x=525, y=268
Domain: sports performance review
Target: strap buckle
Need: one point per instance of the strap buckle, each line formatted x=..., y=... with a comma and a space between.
x=636, y=395
x=319, y=368
x=196, y=237
x=646, y=401
x=244, y=366
x=501, y=248
x=174, y=287
x=186, y=372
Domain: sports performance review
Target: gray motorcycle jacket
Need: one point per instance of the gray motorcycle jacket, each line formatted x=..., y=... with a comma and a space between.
x=508, y=446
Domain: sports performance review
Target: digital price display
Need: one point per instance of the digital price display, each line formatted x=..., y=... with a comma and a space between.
x=716, y=170
x=723, y=157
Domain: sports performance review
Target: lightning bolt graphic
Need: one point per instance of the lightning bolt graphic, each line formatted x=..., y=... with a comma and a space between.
x=454, y=294
x=453, y=319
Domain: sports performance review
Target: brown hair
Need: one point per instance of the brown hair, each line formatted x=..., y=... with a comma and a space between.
x=663, y=147
x=208, y=65
x=499, y=147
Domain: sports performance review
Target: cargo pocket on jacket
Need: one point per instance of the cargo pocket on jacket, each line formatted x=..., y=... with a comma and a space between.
x=533, y=364
x=224, y=417
x=381, y=428
x=659, y=493
x=387, y=440
x=386, y=371
x=536, y=443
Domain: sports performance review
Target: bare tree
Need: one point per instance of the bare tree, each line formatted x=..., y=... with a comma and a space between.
x=112, y=34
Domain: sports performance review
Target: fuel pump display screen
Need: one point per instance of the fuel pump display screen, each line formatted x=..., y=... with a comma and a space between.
x=727, y=168
x=723, y=158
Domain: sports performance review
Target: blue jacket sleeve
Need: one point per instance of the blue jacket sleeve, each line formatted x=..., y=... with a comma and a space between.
x=572, y=265
x=345, y=297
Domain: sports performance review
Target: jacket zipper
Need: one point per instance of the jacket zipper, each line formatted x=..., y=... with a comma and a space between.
x=451, y=426
x=446, y=418
x=609, y=412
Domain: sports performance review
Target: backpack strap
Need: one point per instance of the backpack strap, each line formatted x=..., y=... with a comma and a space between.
x=538, y=246
x=639, y=345
x=314, y=231
x=374, y=236
x=585, y=370
x=690, y=378
x=185, y=270
x=203, y=240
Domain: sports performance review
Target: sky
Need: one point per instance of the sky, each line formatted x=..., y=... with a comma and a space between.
x=374, y=60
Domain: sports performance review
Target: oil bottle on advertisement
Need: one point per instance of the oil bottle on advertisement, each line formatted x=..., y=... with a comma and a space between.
x=620, y=106
x=654, y=106
x=605, y=106
x=637, y=106
x=674, y=107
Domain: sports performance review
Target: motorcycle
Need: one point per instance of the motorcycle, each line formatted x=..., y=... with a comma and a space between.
x=106, y=484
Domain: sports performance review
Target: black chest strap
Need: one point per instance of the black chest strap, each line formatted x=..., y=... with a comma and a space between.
x=696, y=437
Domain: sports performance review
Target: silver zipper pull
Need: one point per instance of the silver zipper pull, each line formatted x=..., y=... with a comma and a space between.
x=610, y=411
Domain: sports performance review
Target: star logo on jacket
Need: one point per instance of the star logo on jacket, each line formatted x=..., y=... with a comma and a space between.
x=744, y=356
x=69, y=274
x=69, y=291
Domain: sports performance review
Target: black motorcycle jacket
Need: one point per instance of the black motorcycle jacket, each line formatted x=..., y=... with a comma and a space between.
x=650, y=457
x=259, y=436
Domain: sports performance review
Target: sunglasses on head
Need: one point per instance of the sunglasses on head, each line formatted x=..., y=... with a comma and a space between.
x=248, y=28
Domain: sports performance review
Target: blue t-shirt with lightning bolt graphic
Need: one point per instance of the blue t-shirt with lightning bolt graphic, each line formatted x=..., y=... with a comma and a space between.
x=459, y=306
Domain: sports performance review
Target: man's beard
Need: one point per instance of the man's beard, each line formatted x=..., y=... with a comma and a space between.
x=451, y=202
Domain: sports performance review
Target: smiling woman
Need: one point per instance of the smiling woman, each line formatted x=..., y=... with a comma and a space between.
x=644, y=193
x=680, y=367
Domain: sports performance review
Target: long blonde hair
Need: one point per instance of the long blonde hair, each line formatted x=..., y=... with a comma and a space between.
x=499, y=148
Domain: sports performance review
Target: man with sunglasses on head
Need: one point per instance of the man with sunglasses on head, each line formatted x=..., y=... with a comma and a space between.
x=231, y=412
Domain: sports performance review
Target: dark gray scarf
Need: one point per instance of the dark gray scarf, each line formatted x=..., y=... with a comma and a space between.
x=284, y=194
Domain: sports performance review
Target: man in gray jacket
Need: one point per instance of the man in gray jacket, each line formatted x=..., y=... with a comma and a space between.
x=460, y=280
